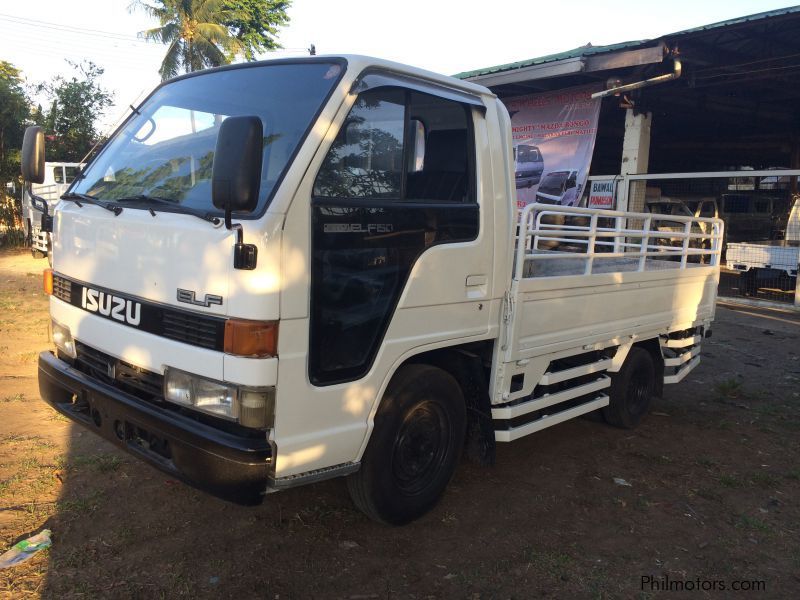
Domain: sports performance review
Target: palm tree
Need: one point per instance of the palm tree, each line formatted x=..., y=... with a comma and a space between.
x=194, y=32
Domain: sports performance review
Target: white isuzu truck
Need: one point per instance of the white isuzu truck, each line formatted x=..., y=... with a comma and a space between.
x=276, y=273
x=57, y=178
x=776, y=261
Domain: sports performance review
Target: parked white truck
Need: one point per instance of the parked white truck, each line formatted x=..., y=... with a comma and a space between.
x=281, y=272
x=57, y=178
x=775, y=261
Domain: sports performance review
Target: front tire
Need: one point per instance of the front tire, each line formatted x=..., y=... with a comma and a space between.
x=632, y=390
x=415, y=446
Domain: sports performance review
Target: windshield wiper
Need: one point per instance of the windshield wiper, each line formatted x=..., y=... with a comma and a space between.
x=174, y=204
x=78, y=198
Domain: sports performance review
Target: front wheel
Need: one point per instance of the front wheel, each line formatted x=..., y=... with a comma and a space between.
x=415, y=446
x=632, y=390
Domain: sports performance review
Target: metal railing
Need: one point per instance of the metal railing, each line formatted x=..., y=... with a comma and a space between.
x=599, y=236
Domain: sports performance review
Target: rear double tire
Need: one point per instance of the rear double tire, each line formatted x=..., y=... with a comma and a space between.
x=632, y=390
x=414, y=448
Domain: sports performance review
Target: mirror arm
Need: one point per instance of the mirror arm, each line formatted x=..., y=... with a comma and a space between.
x=245, y=256
x=230, y=226
x=36, y=200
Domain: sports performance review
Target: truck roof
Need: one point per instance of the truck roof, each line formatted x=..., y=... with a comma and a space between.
x=358, y=63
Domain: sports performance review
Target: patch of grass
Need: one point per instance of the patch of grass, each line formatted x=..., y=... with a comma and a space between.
x=29, y=463
x=124, y=534
x=730, y=388
x=13, y=398
x=764, y=480
x=658, y=459
x=6, y=304
x=102, y=463
x=707, y=462
x=54, y=415
x=709, y=495
x=729, y=481
x=13, y=438
x=28, y=357
x=5, y=484
x=72, y=559
x=85, y=505
x=793, y=474
x=44, y=445
x=771, y=410
x=555, y=563
x=748, y=522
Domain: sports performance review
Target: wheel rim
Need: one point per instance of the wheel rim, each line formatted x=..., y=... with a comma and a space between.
x=640, y=388
x=420, y=447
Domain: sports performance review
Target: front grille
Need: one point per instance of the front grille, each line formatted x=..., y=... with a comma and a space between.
x=190, y=329
x=130, y=378
x=195, y=328
x=62, y=288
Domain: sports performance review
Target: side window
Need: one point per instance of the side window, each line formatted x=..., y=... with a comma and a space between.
x=71, y=173
x=443, y=175
x=366, y=159
x=400, y=145
x=571, y=181
x=58, y=174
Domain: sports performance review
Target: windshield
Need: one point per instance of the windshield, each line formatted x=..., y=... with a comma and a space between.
x=554, y=183
x=167, y=150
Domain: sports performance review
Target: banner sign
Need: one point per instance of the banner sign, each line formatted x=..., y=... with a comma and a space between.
x=601, y=193
x=553, y=137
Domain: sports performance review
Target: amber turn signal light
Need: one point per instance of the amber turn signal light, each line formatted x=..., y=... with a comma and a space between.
x=257, y=339
x=47, y=281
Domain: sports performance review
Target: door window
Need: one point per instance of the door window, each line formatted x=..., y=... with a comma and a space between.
x=400, y=145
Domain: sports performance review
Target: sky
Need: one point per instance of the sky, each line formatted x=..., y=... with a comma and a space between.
x=448, y=36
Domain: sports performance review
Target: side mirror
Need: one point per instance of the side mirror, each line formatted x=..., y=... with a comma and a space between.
x=32, y=160
x=236, y=173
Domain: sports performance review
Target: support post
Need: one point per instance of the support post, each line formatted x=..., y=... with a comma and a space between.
x=635, y=157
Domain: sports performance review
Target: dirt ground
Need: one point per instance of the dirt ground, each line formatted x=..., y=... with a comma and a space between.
x=713, y=497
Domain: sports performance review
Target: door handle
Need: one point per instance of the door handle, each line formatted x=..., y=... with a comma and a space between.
x=475, y=280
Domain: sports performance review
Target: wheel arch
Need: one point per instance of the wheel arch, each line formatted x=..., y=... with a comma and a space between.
x=465, y=363
x=653, y=346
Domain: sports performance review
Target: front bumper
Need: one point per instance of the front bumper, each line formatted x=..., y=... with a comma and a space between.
x=228, y=466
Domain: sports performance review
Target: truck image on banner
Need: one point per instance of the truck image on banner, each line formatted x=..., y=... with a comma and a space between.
x=553, y=138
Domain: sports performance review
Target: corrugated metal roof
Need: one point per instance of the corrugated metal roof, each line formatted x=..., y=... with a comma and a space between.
x=579, y=52
x=590, y=50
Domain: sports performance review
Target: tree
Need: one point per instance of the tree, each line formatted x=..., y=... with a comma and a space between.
x=76, y=104
x=193, y=31
x=14, y=113
x=209, y=33
x=255, y=24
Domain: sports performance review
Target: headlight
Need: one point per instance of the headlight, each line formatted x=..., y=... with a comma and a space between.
x=250, y=406
x=62, y=338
